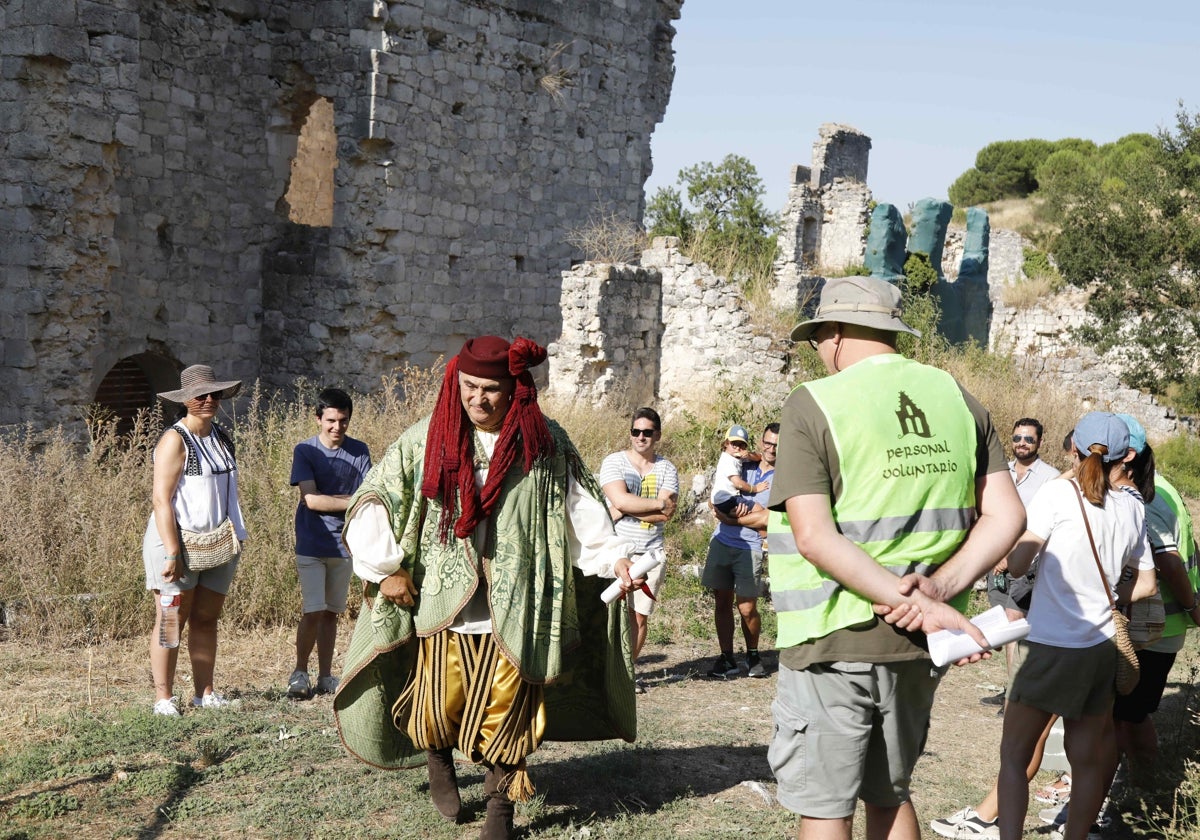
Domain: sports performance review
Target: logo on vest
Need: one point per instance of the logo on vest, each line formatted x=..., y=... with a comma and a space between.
x=912, y=419
x=914, y=459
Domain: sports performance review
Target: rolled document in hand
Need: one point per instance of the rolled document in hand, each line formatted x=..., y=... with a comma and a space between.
x=953, y=645
x=641, y=566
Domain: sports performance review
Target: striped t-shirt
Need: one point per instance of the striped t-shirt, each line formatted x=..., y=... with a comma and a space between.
x=617, y=467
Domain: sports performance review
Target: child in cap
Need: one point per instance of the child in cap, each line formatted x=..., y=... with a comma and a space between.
x=728, y=482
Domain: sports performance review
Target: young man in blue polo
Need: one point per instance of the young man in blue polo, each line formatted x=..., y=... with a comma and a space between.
x=327, y=468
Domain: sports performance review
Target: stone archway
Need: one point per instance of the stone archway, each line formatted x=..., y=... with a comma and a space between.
x=132, y=384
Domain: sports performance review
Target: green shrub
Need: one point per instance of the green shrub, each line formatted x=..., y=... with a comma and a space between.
x=1179, y=460
x=919, y=272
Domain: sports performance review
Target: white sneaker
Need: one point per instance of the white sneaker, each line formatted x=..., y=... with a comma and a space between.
x=211, y=701
x=167, y=707
x=966, y=823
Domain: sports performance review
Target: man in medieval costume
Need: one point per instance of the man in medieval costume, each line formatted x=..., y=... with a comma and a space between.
x=482, y=542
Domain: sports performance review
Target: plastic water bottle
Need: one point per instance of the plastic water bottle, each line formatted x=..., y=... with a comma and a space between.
x=168, y=623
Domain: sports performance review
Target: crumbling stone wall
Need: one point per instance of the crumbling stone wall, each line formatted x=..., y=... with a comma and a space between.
x=611, y=341
x=148, y=149
x=671, y=329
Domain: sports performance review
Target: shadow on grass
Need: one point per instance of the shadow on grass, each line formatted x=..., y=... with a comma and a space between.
x=634, y=780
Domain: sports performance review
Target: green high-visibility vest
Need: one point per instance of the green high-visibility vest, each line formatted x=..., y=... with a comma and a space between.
x=906, y=446
x=1177, y=620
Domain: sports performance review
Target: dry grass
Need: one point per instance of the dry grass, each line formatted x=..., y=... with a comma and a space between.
x=609, y=237
x=1028, y=292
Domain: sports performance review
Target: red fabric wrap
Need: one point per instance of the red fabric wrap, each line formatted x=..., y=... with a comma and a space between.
x=449, y=446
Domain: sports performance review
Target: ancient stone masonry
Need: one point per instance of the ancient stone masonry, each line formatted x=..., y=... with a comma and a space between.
x=670, y=329
x=822, y=223
x=167, y=167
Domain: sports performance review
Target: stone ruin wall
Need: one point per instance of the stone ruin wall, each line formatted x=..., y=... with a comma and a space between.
x=668, y=332
x=148, y=149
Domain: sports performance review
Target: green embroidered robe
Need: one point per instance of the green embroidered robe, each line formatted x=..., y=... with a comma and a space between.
x=547, y=617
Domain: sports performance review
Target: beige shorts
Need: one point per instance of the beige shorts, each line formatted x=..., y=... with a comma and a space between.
x=324, y=582
x=639, y=600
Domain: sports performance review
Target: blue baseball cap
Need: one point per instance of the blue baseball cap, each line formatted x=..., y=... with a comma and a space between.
x=1137, y=433
x=1104, y=428
x=737, y=432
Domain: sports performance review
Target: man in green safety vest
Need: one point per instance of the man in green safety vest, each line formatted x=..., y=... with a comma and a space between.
x=891, y=497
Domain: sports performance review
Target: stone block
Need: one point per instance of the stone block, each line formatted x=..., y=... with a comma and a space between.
x=90, y=125
x=63, y=42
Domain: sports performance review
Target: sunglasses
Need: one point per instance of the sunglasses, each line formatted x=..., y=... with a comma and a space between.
x=214, y=396
x=1026, y=438
x=642, y=432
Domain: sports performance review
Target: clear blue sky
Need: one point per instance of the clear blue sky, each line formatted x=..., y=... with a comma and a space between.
x=930, y=83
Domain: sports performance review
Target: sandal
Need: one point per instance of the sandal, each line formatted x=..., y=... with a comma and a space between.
x=1057, y=792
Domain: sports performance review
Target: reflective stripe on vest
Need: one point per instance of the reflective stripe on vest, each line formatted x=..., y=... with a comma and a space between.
x=1177, y=620
x=905, y=443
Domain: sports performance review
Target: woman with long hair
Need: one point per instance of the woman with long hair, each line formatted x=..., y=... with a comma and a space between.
x=195, y=487
x=1069, y=661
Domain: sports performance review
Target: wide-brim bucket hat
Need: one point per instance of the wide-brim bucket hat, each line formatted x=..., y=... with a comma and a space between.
x=865, y=301
x=198, y=380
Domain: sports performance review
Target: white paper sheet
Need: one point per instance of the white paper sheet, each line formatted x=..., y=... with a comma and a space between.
x=953, y=645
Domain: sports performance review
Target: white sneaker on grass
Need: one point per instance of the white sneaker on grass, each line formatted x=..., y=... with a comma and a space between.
x=167, y=707
x=211, y=701
x=966, y=823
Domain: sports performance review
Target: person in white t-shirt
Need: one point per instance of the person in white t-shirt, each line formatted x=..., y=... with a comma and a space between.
x=1069, y=660
x=642, y=488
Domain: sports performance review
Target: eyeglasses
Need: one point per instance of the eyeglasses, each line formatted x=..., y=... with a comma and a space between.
x=1026, y=438
x=643, y=432
x=812, y=342
x=765, y=444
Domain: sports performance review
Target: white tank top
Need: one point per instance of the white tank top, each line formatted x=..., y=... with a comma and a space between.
x=207, y=490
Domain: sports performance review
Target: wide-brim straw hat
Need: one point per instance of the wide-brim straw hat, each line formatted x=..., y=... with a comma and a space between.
x=198, y=380
x=865, y=301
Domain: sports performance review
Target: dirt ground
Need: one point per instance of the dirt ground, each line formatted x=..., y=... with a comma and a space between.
x=713, y=733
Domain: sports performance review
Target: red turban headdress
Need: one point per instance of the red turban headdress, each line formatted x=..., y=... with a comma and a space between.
x=449, y=463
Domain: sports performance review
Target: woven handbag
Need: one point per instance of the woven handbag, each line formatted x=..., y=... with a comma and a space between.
x=204, y=550
x=1128, y=669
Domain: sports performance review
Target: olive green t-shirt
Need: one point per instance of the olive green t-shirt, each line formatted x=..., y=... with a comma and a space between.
x=808, y=465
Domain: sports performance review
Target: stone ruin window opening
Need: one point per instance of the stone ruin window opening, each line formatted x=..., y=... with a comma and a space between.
x=131, y=386
x=309, y=194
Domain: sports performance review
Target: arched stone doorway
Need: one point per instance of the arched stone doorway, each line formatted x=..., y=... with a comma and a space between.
x=132, y=385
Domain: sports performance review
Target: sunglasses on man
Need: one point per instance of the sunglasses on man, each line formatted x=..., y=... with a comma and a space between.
x=642, y=432
x=1026, y=438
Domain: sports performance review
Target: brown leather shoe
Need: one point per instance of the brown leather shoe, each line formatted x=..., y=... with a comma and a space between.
x=443, y=783
x=499, y=822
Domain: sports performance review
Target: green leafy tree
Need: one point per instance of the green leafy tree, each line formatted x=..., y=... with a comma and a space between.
x=723, y=222
x=666, y=215
x=1133, y=240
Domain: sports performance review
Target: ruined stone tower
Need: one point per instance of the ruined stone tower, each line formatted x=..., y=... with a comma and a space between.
x=822, y=224
x=302, y=187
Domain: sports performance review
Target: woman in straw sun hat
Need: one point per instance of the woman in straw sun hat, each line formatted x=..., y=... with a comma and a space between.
x=195, y=487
